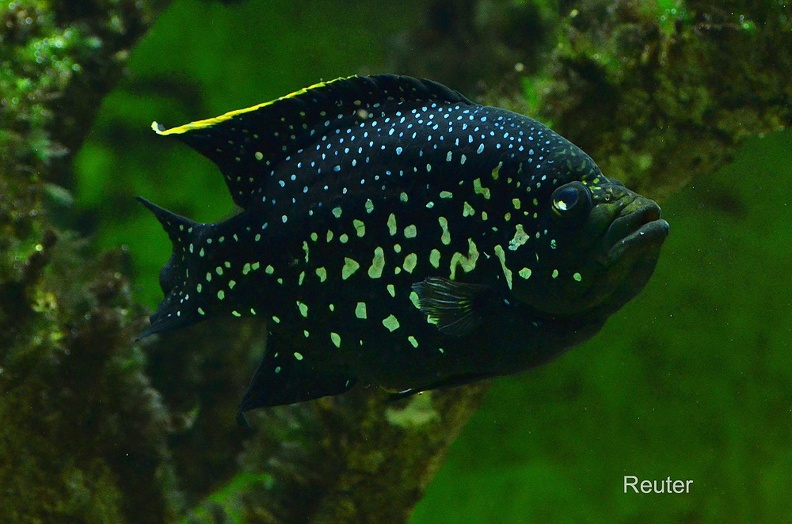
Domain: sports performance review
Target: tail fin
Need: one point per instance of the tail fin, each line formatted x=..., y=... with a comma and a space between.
x=179, y=229
x=174, y=312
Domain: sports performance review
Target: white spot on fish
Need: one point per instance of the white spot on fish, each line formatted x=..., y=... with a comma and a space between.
x=303, y=309
x=480, y=190
x=377, y=264
x=445, y=236
x=507, y=273
x=360, y=311
x=392, y=228
x=434, y=258
x=360, y=227
x=467, y=210
x=350, y=266
x=467, y=263
x=391, y=322
x=519, y=239
x=409, y=262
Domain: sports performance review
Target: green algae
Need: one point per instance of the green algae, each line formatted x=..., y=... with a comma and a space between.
x=642, y=90
x=64, y=324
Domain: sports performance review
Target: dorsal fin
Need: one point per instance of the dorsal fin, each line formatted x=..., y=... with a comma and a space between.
x=179, y=229
x=246, y=144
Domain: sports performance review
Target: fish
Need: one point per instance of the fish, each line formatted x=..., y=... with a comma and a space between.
x=393, y=232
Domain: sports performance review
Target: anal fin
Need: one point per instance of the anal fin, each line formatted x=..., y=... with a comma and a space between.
x=287, y=375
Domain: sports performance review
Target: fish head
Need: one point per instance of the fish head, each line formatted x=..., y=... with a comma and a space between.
x=595, y=246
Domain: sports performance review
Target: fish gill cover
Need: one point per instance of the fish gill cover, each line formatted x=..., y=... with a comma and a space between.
x=395, y=233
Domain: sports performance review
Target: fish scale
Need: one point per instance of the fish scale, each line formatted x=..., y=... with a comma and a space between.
x=393, y=232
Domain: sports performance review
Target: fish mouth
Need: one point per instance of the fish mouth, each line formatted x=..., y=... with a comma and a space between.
x=640, y=229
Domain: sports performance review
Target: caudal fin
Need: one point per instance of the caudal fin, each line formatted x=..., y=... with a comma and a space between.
x=175, y=311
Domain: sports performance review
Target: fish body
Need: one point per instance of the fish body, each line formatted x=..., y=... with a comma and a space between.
x=393, y=232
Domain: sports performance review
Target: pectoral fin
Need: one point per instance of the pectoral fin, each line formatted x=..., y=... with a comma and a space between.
x=448, y=382
x=455, y=307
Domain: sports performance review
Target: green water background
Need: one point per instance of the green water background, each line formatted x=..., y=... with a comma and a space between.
x=691, y=380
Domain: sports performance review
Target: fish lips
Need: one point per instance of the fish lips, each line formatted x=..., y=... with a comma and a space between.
x=639, y=230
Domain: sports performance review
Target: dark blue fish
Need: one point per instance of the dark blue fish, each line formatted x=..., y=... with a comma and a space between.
x=395, y=233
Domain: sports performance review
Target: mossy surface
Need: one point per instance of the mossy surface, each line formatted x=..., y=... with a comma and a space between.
x=69, y=374
x=659, y=94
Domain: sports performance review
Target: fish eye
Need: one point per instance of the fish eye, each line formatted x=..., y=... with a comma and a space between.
x=571, y=200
